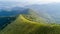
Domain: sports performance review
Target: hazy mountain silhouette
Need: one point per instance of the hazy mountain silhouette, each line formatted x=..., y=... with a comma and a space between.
x=53, y=10
x=13, y=11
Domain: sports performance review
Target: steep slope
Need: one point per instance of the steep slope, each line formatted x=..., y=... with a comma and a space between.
x=19, y=26
x=23, y=26
x=4, y=21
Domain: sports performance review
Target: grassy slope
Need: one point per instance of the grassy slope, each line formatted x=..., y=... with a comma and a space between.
x=24, y=26
x=20, y=26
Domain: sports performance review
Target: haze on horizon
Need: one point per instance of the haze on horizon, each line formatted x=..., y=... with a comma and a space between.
x=32, y=1
x=27, y=2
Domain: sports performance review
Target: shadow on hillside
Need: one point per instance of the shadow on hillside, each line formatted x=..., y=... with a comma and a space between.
x=4, y=21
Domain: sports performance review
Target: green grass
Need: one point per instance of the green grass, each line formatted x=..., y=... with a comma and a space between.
x=24, y=26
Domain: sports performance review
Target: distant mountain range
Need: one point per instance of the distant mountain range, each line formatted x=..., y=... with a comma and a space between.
x=49, y=11
x=13, y=11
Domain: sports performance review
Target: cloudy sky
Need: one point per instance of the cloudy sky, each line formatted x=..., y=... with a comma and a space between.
x=26, y=2
x=33, y=1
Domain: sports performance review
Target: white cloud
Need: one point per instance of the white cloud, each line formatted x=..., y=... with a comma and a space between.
x=34, y=1
x=42, y=1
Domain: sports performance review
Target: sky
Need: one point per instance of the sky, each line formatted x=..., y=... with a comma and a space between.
x=33, y=1
x=26, y=2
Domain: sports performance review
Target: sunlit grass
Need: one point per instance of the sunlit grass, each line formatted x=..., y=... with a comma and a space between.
x=24, y=26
